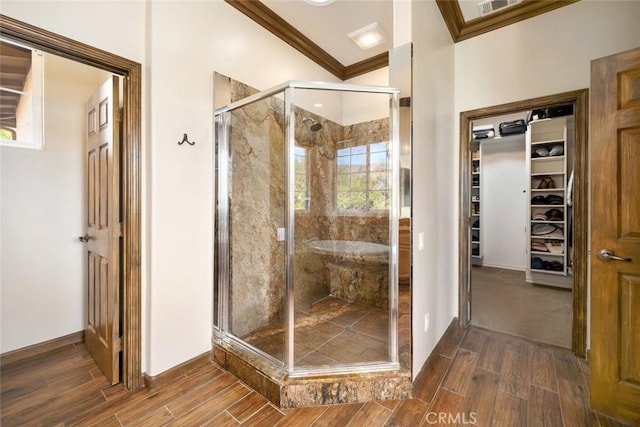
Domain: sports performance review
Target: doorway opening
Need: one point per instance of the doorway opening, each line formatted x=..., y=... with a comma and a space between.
x=469, y=210
x=131, y=74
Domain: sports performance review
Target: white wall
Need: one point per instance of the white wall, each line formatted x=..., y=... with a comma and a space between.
x=359, y=108
x=544, y=55
x=435, y=183
x=503, y=202
x=43, y=212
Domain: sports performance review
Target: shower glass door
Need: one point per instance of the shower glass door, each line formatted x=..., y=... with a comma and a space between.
x=256, y=200
x=343, y=209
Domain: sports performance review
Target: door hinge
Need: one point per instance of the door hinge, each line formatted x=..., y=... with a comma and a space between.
x=118, y=344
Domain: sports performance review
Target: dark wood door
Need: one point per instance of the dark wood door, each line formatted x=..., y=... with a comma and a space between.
x=102, y=334
x=615, y=227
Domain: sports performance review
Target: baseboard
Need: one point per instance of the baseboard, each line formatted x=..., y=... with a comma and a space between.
x=38, y=349
x=172, y=374
x=450, y=331
x=505, y=267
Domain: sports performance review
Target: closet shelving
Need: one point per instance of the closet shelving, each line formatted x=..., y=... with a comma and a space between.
x=476, y=247
x=546, y=150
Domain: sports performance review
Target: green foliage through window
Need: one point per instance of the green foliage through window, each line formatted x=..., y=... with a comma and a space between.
x=301, y=187
x=363, y=182
x=7, y=134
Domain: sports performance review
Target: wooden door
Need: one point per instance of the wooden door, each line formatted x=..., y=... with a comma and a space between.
x=102, y=334
x=615, y=226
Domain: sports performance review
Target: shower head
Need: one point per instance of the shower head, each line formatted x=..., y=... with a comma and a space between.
x=315, y=126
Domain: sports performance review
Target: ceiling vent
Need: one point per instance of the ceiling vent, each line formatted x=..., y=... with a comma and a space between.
x=489, y=6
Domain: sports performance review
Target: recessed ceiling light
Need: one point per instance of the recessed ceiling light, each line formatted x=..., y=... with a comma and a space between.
x=318, y=105
x=369, y=36
x=319, y=2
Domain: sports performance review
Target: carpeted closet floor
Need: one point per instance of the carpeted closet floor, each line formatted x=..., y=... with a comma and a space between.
x=502, y=301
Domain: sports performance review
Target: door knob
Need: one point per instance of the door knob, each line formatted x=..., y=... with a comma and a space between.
x=608, y=255
x=84, y=239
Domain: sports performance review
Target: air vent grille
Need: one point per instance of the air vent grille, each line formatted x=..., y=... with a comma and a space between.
x=489, y=6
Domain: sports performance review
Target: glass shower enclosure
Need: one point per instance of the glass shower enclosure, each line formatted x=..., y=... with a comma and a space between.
x=307, y=191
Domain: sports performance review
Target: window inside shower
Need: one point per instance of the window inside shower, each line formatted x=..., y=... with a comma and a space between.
x=301, y=198
x=306, y=270
x=363, y=177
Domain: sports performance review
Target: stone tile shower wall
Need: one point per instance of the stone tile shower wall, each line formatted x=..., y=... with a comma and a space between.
x=311, y=276
x=256, y=210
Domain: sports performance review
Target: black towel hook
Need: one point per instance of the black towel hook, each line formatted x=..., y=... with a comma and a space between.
x=186, y=139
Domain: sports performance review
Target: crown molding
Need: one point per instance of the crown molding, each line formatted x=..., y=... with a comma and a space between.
x=286, y=32
x=462, y=30
x=366, y=66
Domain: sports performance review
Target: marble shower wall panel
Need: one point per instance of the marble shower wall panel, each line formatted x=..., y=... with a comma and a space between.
x=373, y=228
x=257, y=203
x=366, y=284
x=311, y=273
x=366, y=132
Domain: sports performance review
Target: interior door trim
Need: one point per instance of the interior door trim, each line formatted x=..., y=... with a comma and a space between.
x=579, y=99
x=131, y=173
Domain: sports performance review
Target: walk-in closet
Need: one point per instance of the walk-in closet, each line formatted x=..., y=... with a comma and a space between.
x=520, y=223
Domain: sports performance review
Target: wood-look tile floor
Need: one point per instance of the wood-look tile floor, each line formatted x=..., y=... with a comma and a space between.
x=474, y=377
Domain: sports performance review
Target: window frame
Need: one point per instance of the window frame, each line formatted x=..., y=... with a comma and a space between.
x=36, y=95
x=368, y=171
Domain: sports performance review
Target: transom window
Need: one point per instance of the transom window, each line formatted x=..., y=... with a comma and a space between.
x=363, y=177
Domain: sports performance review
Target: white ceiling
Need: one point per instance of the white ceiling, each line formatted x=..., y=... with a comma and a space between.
x=328, y=26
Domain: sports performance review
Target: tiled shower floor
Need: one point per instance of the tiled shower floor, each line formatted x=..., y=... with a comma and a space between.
x=334, y=331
